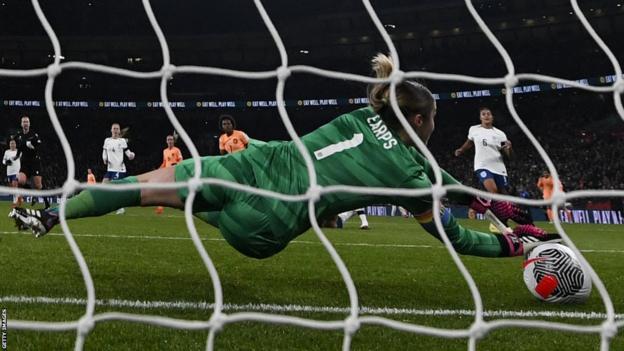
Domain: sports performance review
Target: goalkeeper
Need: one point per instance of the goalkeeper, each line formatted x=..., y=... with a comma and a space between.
x=366, y=147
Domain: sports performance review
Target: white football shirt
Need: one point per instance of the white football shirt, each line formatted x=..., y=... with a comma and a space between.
x=487, y=143
x=113, y=154
x=14, y=168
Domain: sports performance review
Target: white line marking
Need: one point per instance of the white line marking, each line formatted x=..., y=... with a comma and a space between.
x=275, y=308
x=303, y=242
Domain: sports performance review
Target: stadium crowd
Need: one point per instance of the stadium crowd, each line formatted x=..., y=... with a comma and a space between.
x=584, y=139
x=580, y=132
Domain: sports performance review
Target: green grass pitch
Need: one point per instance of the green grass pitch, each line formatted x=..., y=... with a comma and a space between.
x=139, y=258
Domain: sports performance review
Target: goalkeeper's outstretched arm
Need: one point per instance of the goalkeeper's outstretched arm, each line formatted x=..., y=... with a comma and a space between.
x=470, y=242
x=475, y=243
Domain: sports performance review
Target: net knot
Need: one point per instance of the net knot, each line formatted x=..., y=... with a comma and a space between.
x=167, y=71
x=195, y=185
x=352, y=325
x=479, y=330
x=54, y=70
x=438, y=191
x=70, y=186
x=511, y=81
x=314, y=192
x=397, y=77
x=217, y=321
x=85, y=325
x=619, y=86
x=609, y=330
x=283, y=73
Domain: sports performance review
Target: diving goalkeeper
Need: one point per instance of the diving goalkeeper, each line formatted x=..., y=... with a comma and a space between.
x=366, y=147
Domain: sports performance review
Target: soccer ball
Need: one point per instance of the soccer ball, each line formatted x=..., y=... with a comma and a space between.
x=553, y=273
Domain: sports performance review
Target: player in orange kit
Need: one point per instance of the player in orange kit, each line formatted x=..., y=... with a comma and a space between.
x=90, y=177
x=545, y=184
x=231, y=140
x=171, y=157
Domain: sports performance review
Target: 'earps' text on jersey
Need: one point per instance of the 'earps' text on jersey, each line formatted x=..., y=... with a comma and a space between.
x=381, y=132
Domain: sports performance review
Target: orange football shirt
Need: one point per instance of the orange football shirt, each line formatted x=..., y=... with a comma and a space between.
x=233, y=143
x=171, y=157
x=546, y=185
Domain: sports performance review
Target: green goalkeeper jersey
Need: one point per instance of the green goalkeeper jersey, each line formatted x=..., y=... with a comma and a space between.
x=359, y=149
x=356, y=149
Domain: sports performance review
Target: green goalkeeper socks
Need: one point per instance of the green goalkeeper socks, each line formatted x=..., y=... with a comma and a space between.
x=96, y=202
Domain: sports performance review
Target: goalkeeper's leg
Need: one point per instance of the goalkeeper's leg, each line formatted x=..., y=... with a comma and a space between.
x=96, y=202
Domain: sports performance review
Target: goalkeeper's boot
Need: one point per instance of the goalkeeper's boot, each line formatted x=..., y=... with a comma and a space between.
x=19, y=224
x=39, y=222
x=22, y=222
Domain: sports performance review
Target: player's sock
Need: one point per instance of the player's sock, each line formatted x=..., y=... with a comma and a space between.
x=404, y=212
x=46, y=202
x=96, y=202
x=363, y=219
x=346, y=215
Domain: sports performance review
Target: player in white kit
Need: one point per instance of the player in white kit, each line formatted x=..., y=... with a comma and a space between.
x=115, y=148
x=490, y=145
x=11, y=160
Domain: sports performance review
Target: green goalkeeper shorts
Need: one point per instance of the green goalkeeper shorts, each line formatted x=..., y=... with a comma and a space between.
x=248, y=222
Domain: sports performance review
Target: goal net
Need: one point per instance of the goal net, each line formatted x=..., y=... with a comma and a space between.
x=356, y=317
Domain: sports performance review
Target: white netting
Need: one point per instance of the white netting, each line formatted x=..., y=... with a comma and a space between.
x=350, y=324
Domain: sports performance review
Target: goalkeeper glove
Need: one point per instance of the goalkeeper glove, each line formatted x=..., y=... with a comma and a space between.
x=504, y=210
x=525, y=237
x=529, y=230
x=8, y=162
